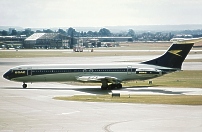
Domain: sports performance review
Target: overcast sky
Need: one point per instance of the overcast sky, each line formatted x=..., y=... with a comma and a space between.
x=89, y=13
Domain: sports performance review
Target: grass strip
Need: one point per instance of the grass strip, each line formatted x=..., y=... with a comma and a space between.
x=143, y=99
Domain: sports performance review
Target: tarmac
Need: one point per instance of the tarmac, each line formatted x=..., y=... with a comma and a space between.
x=33, y=109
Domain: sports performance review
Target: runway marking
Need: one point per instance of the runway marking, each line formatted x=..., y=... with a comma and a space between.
x=69, y=113
x=107, y=127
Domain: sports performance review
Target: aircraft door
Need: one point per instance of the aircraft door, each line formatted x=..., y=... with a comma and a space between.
x=88, y=71
x=129, y=69
x=91, y=71
x=84, y=71
x=29, y=71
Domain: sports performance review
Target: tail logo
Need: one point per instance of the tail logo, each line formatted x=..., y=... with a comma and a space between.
x=175, y=52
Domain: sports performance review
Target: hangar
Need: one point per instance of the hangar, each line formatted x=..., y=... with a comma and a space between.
x=47, y=41
x=109, y=39
x=104, y=41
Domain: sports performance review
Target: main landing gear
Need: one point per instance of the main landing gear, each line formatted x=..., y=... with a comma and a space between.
x=24, y=85
x=111, y=87
x=105, y=85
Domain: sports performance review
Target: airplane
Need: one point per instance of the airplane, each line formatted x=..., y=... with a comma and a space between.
x=110, y=76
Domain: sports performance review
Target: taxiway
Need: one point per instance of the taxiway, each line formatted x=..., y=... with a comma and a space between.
x=33, y=109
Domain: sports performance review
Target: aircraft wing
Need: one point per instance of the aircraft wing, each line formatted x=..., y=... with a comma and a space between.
x=110, y=79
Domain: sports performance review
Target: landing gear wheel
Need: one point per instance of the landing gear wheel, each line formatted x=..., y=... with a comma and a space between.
x=104, y=84
x=103, y=88
x=119, y=86
x=112, y=86
x=24, y=85
x=115, y=86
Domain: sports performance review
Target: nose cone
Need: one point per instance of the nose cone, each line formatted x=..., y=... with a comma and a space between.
x=6, y=75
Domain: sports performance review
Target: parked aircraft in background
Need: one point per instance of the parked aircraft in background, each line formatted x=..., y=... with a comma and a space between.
x=110, y=76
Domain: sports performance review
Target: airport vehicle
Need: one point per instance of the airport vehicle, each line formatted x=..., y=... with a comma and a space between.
x=111, y=76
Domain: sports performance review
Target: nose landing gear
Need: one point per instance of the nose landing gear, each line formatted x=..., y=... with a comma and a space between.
x=24, y=85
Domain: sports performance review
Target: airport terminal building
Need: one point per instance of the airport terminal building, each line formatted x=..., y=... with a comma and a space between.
x=47, y=41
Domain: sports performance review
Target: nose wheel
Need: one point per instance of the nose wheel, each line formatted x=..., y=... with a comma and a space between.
x=24, y=85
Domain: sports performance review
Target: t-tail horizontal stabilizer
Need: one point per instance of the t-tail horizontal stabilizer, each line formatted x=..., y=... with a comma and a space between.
x=175, y=55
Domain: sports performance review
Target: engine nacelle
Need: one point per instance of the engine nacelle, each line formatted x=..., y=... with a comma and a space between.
x=148, y=72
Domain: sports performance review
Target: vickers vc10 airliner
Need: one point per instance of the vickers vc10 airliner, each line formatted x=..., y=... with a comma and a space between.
x=110, y=76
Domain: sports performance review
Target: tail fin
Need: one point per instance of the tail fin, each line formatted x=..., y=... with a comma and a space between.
x=175, y=55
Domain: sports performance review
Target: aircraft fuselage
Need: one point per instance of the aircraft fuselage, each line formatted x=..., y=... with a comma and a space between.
x=84, y=73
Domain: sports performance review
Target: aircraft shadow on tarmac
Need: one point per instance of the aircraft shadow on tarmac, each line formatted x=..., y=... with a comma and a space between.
x=98, y=91
x=86, y=90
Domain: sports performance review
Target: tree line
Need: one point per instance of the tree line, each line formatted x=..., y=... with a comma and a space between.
x=71, y=31
x=104, y=32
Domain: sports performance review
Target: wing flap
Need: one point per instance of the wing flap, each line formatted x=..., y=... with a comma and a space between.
x=97, y=79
